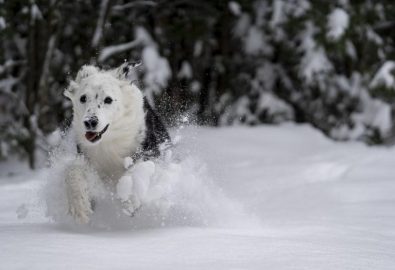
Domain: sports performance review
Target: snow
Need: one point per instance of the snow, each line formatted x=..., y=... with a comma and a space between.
x=268, y=107
x=237, y=112
x=124, y=187
x=242, y=25
x=7, y=84
x=198, y=48
x=274, y=197
x=384, y=76
x=134, y=4
x=281, y=13
x=314, y=60
x=375, y=114
x=143, y=172
x=2, y=23
x=275, y=107
x=115, y=49
x=235, y=8
x=142, y=38
x=185, y=71
x=373, y=36
x=338, y=21
x=278, y=15
x=313, y=63
x=35, y=13
x=255, y=42
x=158, y=70
x=350, y=49
x=142, y=34
x=195, y=87
x=100, y=23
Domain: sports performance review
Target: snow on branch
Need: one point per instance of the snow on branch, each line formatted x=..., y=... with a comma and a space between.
x=7, y=84
x=384, y=76
x=2, y=23
x=47, y=60
x=11, y=63
x=35, y=13
x=134, y=4
x=142, y=37
x=100, y=23
x=338, y=22
x=314, y=60
x=115, y=49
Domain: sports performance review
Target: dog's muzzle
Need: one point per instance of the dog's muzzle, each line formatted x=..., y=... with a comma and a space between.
x=91, y=123
x=95, y=136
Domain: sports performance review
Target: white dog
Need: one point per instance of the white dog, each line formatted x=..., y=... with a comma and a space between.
x=111, y=121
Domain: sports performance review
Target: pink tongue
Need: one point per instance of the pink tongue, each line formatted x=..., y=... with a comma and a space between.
x=90, y=135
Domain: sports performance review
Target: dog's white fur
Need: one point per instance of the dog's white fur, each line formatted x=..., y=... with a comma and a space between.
x=126, y=131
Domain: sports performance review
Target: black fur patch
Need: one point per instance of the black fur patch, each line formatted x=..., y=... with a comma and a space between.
x=156, y=134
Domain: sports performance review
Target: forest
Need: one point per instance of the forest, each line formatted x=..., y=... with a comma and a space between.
x=325, y=63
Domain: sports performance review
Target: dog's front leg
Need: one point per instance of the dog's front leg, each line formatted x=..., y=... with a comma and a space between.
x=133, y=186
x=78, y=193
x=125, y=192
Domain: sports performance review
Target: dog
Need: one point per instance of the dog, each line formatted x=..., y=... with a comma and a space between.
x=112, y=121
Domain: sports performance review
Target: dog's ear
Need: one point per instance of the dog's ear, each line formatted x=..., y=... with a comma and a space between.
x=126, y=71
x=70, y=90
x=85, y=71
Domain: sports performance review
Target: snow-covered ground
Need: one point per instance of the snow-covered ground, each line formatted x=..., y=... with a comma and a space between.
x=265, y=198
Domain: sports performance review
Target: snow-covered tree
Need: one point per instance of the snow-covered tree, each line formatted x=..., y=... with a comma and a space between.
x=319, y=60
x=327, y=63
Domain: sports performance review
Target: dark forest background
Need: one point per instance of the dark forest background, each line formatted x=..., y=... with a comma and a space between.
x=327, y=63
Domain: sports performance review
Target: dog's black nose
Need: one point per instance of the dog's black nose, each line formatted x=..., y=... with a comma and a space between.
x=91, y=123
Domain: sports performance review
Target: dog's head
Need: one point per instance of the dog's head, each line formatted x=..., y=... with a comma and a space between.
x=100, y=99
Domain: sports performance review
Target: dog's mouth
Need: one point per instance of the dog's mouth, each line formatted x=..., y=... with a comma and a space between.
x=95, y=136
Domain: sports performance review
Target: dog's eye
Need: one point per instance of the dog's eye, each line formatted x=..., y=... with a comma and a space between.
x=83, y=99
x=108, y=100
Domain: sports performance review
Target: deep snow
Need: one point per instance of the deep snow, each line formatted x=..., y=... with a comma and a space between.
x=274, y=198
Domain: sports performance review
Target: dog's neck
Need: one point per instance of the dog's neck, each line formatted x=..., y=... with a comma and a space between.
x=107, y=158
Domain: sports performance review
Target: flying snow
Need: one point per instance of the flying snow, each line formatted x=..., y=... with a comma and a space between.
x=173, y=190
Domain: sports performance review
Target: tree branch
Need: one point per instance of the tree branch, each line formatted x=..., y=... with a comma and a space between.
x=134, y=4
x=115, y=49
x=97, y=36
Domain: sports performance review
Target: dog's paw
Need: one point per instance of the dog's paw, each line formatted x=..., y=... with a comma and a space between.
x=130, y=207
x=80, y=210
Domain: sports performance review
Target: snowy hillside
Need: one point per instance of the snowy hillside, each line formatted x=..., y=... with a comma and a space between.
x=247, y=198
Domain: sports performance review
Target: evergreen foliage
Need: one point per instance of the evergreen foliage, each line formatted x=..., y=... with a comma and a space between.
x=327, y=63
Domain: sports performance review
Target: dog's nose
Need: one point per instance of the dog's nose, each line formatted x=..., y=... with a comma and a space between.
x=91, y=123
